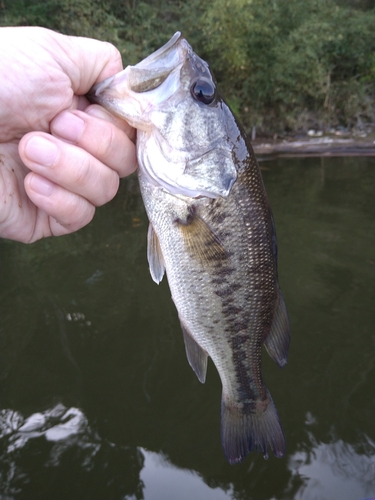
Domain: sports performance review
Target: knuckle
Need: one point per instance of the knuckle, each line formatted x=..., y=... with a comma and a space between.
x=78, y=213
x=106, y=143
x=110, y=188
x=115, y=54
x=83, y=173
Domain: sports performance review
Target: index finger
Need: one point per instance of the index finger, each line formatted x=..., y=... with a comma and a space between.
x=99, y=112
x=101, y=138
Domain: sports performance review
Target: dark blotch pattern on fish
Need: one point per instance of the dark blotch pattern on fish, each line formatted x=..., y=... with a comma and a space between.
x=207, y=205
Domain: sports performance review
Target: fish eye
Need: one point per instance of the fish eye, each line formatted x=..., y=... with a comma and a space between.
x=203, y=91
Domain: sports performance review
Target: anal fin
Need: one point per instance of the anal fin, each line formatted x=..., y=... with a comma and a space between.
x=196, y=356
x=154, y=255
x=278, y=339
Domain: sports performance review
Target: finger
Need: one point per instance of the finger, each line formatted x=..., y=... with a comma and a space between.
x=68, y=166
x=99, y=112
x=79, y=102
x=106, y=139
x=83, y=104
x=68, y=212
x=86, y=61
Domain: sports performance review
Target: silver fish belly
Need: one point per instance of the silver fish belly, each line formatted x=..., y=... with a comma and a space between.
x=212, y=232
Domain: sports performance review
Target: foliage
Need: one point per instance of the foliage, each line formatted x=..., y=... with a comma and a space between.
x=331, y=67
x=72, y=17
x=294, y=63
x=282, y=64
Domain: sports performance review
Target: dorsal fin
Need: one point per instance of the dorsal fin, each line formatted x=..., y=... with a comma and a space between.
x=196, y=356
x=278, y=339
x=154, y=255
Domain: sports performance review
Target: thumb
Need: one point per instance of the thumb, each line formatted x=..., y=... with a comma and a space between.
x=86, y=61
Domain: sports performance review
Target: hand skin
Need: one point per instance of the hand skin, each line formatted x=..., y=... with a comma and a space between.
x=60, y=157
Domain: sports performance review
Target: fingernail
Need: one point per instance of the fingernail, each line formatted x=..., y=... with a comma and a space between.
x=68, y=126
x=41, y=185
x=41, y=150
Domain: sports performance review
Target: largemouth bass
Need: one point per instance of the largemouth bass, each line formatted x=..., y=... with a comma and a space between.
x=211, y=230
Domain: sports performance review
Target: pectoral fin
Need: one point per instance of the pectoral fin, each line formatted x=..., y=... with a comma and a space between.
x=196, y=356
x=200, y=240
x=154, y=255
x=277, y=341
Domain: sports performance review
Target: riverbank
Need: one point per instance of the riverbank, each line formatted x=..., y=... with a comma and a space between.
x=329, y=145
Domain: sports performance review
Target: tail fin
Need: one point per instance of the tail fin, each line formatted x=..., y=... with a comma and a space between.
x=243, y=432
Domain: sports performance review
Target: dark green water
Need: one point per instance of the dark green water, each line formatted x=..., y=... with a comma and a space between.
x=99, y=402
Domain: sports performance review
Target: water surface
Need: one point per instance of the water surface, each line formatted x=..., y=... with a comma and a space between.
x=99, y=402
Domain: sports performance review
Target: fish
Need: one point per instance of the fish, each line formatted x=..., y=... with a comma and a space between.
x=212, y=232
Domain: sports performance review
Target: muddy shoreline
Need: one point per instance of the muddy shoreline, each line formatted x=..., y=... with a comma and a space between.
x=319, y=146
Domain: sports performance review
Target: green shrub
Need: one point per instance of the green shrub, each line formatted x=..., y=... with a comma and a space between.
x=328, y=65
x=281, y=64
x=293, y=64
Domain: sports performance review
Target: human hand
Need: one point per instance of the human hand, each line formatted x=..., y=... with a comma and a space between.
x=60, y=157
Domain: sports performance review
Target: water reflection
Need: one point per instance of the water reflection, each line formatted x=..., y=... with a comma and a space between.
x=99, y=402
x=162, y=480
x=325, y=470
x=67, y=429
x=60, y=442
x=333, y=470
x=56, y=424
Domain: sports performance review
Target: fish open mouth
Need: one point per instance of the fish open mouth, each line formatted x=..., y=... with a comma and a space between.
x=148, y=74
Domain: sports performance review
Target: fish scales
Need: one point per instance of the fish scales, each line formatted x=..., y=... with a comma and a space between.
x=212, y=231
